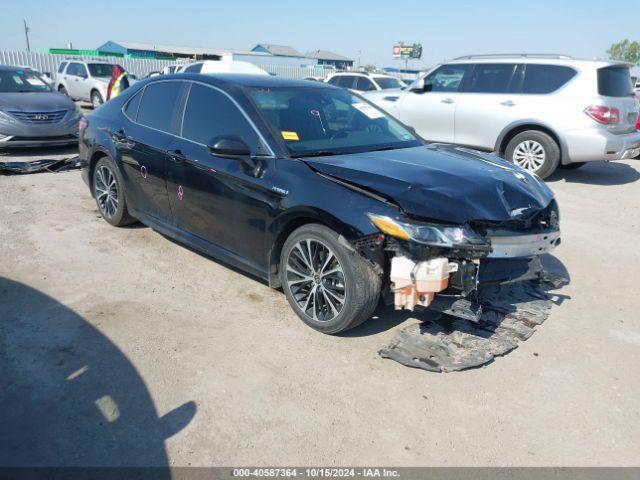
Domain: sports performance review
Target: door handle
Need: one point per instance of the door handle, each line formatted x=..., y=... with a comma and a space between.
x=447, y=100
x=507, y=103
x=176, y=156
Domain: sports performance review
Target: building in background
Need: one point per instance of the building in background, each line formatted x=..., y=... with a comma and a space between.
x=325, y=57
x=150, y=50
x=261, y=54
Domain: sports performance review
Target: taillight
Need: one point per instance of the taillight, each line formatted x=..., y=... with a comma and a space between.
x=638, y=123
x=84, y=123
x=603, y=114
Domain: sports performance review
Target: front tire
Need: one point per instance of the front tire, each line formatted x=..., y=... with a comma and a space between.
x=329, y=286
x=96, y=99
x=108, y=189
x=534, y=151
x=63, y=90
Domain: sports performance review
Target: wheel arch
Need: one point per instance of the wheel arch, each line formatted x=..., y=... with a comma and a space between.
x=284, y=225
x=93, y=160
x=515, y=128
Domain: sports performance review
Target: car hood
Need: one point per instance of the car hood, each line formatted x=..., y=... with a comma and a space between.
x=35, y=101
x=442, y=182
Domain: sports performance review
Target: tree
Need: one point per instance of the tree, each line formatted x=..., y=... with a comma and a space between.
x=625, y=51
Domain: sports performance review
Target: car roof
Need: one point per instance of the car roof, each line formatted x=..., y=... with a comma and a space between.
x=244, y=80
x=539, y=59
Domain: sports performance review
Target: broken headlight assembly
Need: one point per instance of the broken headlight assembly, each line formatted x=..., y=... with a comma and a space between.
x=430, y=234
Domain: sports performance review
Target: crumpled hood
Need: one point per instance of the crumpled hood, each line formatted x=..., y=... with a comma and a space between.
x=443, y=182
x=35, y=101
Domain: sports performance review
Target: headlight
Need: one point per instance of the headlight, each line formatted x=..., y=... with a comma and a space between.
x=6, y=118
x=429, y=234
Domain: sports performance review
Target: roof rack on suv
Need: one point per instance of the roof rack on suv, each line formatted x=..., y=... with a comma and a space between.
x=511, y=55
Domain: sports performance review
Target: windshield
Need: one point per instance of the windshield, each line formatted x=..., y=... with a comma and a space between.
x=100, y=69
x=325, y=121
x=388, y=82
x=22, y=81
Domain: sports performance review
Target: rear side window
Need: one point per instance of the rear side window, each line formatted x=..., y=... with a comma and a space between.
x=546, y=78
x=196, y=68
x=210, y=114
x=447, y=78
x=491, y=78
x=364, y=84
x=131, y=108
x=61, y=67
x=614, y=82
x=158, y=104
x=346, y=81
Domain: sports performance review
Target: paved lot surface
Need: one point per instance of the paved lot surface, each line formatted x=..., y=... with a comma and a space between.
x=118, y=346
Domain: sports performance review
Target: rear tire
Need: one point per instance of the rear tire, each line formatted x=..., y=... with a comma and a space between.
x=347, y=288
x=108, y=188
x=573, y=165
x=534, y=151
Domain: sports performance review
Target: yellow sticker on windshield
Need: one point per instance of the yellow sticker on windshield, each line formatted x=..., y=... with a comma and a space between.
x=290, y=136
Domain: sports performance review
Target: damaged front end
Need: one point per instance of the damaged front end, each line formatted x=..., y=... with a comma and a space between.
x=442, y=266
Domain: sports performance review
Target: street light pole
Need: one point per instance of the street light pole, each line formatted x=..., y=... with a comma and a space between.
x=26, y=34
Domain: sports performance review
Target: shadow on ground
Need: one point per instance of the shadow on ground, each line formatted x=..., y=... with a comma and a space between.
x=69, y=396
x=599, y=173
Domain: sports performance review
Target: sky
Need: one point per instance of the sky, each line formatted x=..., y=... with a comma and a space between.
x=362, y=30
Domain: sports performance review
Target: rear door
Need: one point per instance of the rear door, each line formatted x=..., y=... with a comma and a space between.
x=214, y=198
x=432, y=113
x=152, y=118
x=487, y=104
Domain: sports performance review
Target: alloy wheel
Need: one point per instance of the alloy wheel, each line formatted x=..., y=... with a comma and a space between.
x=106, y=191
x=529, y=155
x=316, y=280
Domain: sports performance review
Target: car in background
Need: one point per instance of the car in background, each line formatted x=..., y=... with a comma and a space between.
x=84, y=81
x=223, y=66
x=169, y=69
x=365, y=82
x=315, y=190
x=537, y=111
x=32, y=114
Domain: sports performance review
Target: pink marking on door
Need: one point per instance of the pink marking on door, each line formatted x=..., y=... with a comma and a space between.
x=180, y=192
x=143, y=171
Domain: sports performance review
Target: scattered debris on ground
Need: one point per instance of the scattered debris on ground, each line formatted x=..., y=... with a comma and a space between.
x=38, y=166
x=510, y=314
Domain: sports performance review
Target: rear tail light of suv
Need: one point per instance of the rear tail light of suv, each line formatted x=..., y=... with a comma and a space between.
x=602, y=114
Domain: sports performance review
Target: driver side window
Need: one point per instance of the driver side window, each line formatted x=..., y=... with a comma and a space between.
x=447, y=78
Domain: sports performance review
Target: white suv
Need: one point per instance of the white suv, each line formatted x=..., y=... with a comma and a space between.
x=86, y=81
x=537, y=111
x=365, y=82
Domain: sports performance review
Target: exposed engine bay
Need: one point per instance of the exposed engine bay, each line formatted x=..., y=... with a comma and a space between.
x=442, y=267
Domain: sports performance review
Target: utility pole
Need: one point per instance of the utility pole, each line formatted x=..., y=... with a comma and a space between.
x=26, y=34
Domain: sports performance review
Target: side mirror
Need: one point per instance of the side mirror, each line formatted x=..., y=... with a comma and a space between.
x=231, y=146
x=420, y=86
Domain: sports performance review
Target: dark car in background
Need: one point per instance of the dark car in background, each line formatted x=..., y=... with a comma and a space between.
x=32, y=114
x=315, y=190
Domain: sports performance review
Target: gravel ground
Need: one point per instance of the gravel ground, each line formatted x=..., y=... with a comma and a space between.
x=120, y=347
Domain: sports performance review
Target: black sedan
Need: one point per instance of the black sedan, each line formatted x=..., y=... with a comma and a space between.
x=317, y=191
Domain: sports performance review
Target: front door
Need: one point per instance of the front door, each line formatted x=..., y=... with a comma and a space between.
x=432, y=112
